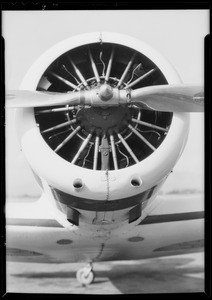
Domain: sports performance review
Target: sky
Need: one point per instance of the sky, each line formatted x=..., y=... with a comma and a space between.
x=176, y=34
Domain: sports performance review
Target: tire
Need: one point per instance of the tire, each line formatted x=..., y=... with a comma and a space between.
x=86, y=280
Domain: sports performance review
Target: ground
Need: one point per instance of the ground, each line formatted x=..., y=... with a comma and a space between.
x=175, y=274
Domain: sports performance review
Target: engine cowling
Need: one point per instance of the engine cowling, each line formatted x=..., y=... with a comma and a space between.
x=100, y=164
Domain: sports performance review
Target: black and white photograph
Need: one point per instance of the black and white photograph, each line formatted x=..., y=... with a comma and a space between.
x=104, y=135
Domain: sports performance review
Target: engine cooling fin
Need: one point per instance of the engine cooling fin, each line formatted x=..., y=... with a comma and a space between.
x=102, y=138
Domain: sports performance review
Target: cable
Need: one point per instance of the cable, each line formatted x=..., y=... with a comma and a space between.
x=144, y=131
x=127, y=158
x=86, y=155
x=56, y=134
x=133, y=72
x=100, y=57
x=64, y=67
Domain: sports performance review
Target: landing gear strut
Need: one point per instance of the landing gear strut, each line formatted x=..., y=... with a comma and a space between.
x=86, y=275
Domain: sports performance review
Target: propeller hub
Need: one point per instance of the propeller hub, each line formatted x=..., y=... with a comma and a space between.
x=105, y=92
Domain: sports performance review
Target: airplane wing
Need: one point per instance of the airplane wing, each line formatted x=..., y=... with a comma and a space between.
x=33, y=235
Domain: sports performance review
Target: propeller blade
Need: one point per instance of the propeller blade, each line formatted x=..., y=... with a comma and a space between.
x=24, y=98
x=170, y=98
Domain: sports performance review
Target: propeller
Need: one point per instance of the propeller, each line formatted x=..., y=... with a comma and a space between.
x=24, y=98
x=168, y=98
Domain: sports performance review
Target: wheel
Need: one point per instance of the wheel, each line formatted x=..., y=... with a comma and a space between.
x=84, y=276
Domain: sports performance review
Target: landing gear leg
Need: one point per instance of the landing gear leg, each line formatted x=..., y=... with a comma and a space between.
x=86, y=275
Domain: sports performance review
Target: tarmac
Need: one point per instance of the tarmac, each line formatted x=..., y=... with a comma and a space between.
x=173, y=274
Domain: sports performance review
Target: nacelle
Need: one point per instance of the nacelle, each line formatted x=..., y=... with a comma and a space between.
x=100, y=162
